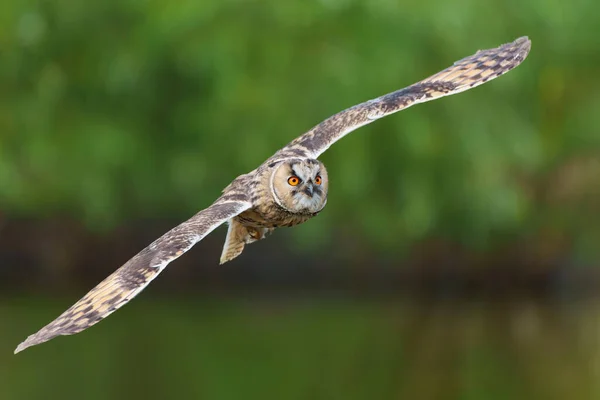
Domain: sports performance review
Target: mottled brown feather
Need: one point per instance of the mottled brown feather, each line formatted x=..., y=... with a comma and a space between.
x=127, y=281
x=249, y=199
x=464, y=74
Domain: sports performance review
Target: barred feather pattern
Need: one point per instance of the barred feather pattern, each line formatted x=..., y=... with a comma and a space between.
x=129, y=280
x=249, y=200
x=465, y=74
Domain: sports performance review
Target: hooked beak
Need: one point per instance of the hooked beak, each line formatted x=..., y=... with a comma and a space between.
x=309, y=189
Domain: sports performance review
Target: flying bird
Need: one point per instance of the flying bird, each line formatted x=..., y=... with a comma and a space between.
x=288, y=189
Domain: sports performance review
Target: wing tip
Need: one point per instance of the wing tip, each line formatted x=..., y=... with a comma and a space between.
x=522, y=46
x=30, y=341
x=20, y=348
x=522, y=39
x=37, y=338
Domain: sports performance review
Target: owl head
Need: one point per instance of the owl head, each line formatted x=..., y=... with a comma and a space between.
x=300, y=185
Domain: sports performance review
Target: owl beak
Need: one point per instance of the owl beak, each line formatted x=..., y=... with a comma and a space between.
x=309, y=190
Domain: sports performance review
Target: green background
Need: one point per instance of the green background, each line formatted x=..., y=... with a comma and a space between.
x=457, y=255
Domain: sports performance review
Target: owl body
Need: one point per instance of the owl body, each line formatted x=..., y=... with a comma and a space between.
x=286, y=190
x=283, y=193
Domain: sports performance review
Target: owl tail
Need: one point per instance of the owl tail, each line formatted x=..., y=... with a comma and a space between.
x=238, y=236
x=234, y=242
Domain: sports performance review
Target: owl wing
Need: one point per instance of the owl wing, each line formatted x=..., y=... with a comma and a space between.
x=129, y=280
x=464, y=74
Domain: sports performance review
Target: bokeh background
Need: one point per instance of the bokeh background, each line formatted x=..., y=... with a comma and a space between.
x=457, y=257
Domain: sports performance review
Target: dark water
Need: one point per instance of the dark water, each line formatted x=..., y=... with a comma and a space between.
x=307, y=348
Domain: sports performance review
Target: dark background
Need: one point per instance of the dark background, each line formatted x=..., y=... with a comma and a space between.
x=457, y=257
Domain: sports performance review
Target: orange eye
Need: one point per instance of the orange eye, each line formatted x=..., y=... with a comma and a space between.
x=318, y=180
x=293, y=180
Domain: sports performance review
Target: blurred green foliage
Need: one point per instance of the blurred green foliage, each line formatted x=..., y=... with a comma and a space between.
x=118, y=110
x=114, y=111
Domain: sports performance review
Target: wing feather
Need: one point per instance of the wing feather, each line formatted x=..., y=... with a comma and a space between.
x=129, y=280
x=464, y=74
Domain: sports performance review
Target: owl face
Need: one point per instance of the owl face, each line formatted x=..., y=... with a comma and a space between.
x=300, y=186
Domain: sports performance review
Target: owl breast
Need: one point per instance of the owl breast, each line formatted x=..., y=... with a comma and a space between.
x=270, y=215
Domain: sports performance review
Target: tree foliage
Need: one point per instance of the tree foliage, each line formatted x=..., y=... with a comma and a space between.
x=118, y=110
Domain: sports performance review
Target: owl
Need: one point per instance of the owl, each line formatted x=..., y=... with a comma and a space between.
x=289, y=188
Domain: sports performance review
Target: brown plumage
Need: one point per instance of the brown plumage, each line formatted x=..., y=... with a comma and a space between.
x=287, y=189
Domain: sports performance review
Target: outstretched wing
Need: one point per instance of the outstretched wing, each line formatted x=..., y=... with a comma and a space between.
x=464, y=74
x=126, y=282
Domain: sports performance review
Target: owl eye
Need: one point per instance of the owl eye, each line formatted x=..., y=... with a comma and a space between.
x=318, y=180
x=293, y=180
